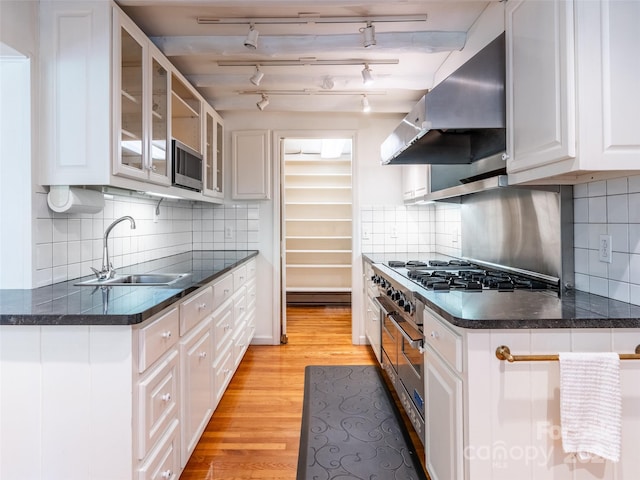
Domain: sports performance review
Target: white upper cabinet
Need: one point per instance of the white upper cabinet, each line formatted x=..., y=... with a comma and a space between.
x=572, y=99
x=415, y=182
x=111, y=102
x=141, y=86
x=250, y=165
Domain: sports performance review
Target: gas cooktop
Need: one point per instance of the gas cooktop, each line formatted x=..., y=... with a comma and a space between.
x=447, y=275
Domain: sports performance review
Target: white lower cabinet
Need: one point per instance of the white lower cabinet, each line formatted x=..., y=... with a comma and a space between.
x=443, y=410
x=444, y=440
x=107, y=402
x=197, y=386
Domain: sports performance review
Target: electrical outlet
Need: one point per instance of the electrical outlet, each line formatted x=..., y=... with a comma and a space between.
x=366, y=234
x=394, y=231
x=228, y=233
x=604, y=250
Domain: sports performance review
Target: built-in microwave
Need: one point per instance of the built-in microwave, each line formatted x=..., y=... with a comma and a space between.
x=187, y=167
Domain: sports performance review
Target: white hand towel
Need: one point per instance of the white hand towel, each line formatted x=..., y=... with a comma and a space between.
x=591, y=404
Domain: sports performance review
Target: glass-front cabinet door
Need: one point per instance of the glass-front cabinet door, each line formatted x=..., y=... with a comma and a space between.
x=142, y=93
x=213, y=154
x=159, y=139
x=132, y=148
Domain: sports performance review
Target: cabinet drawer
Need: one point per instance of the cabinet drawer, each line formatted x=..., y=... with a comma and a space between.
x=164, y=462
x=158, y=395
x=195, y=309
x=239, y=344
x=223, y=326
x=239, y=276
x=157, y=338
x=222, y=290
x=443, y=340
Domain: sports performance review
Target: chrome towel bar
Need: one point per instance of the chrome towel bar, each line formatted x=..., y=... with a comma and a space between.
x=504, y=353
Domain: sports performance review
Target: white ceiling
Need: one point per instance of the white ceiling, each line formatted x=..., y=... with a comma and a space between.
x=419, y=48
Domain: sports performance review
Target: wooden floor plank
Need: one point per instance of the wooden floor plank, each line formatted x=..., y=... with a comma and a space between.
x=254, y=432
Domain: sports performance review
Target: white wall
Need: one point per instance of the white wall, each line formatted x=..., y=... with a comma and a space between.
x=372, y=184
x=18, y=138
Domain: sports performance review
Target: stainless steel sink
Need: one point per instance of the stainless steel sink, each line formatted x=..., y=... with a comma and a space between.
x=143, y=279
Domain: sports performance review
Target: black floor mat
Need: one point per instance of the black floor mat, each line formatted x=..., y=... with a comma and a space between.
x=351, y=428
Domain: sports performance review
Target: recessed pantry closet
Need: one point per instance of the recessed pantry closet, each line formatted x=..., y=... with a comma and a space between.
x=317, y=220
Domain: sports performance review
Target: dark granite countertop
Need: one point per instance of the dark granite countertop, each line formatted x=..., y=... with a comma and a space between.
x=491, y=309
x=67, y=304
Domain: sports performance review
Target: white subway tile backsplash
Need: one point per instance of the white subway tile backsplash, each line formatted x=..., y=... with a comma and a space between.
x=617, y=186
x=597, y=209
x=597, y=189
x=634, y=183
x=581, y=210
x=613, y=208
x=66, y=245
x=617, y=209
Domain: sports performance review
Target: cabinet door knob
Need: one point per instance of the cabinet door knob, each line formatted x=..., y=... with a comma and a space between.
x=166, y=397
x=203, y=354
x=166, y=474
x=505, y=156
x=167, y=335
x=434, y=335
x=202, y=306
x=226, y=291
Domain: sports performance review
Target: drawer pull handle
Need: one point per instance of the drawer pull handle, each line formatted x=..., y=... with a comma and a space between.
x=435, y=335
x=166, y=397
x=166, y=474
x=203, y=354
x=202, y=306
x=166, y=335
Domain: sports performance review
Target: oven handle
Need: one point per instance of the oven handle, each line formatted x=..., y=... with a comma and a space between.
x=382, y=307
x=414, y=343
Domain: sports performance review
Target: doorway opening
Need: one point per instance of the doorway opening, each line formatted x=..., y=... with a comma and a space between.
x=316, y=221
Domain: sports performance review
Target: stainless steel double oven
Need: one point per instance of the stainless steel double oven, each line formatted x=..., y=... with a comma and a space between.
x=402, y=355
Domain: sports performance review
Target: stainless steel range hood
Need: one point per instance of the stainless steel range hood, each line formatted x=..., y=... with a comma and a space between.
x=458, y=122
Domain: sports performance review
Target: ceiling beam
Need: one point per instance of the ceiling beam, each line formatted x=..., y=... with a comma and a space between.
x=311, y=45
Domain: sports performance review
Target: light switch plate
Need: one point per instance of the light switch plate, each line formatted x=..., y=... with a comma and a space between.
x=604, y=248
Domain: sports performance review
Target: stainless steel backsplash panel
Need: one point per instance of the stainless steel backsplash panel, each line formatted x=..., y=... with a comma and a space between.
x=521, y=228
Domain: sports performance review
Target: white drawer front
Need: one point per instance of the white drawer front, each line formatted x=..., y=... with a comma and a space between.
x=157, y=338
x=222, y=290
x=443, y=340
x=195, y=309
x=158, y=396
x=164, y=462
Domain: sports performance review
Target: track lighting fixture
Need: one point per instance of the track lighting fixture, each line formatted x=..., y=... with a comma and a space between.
x=262, y=104
x=368, y=35
x=256, y=78
x=252, y=37
x=366, y=107
x=367, y=78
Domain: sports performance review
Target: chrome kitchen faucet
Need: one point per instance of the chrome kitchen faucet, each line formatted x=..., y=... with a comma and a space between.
x=108, y=271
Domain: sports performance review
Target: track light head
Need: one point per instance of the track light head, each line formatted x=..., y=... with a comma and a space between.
x=252, y=38
x=256, y=78
x=366, y=107
x=262, y=104
x=368, y=35
x=367, y=77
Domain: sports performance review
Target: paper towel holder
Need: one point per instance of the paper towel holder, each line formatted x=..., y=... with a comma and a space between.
x=66, y=199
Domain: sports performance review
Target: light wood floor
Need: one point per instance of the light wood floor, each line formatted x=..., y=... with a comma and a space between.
x=255, y=430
